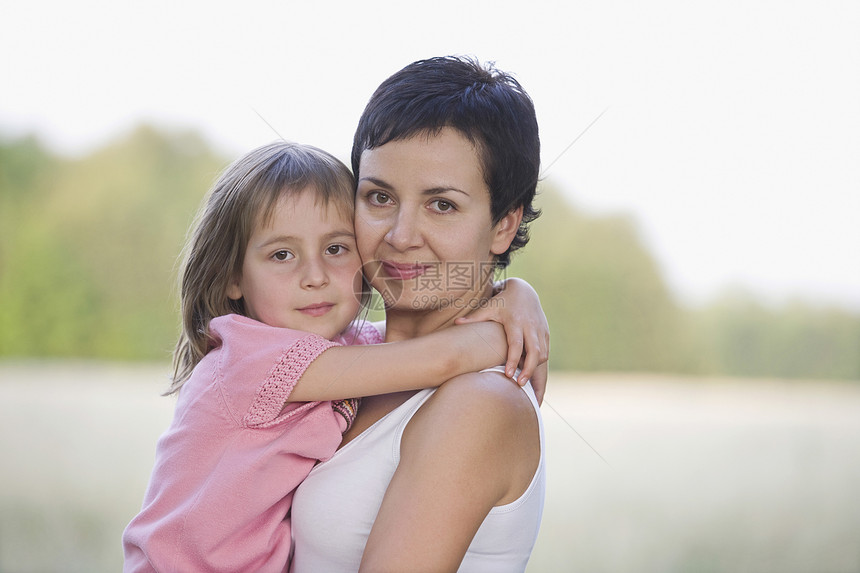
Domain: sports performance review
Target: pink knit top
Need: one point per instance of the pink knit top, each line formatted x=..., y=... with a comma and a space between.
x=227, y=467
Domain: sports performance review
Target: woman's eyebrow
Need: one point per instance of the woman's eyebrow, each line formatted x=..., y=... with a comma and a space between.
x=430, y=191
x=377, y=182
x=442, y=189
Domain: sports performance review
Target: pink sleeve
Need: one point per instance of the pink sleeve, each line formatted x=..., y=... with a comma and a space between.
x=267, y=409
x=259, y=366
x=225, y=470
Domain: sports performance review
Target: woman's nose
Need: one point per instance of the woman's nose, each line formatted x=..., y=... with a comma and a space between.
x=404, y=233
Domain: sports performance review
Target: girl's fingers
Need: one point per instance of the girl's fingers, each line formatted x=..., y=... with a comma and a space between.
x=539, y=382
x=536, y=353
x=515, y=351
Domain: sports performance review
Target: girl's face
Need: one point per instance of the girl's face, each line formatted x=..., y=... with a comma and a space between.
x=423, y=222
x=301, y=269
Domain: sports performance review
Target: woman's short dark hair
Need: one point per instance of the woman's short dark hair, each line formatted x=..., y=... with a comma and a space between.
x=487, y=106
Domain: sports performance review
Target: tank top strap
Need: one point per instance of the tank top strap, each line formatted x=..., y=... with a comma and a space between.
x=501, y=370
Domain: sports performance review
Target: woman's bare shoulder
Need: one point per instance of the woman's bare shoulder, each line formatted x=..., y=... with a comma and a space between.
x=485, y=420
x=484, y=394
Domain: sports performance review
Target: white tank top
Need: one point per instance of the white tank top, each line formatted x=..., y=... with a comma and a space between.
x=334, y=508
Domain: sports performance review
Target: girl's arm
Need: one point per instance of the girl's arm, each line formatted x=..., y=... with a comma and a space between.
x=424, y=362
x=516, y=306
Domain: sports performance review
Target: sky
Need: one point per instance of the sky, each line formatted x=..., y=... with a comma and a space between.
x=728, y=132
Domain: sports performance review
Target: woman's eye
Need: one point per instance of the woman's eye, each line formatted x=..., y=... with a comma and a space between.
x=335, y=250
x=282, y=255
x=378, y=198
x=442, y=206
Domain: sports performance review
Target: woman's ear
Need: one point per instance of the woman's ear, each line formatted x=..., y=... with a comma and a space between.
x=505, y=230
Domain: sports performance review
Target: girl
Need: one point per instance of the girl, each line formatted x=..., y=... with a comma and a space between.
x=270, y=288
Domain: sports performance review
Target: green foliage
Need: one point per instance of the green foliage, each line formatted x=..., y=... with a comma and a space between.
x=609, y=309
x=607, y=304
x=89, y=248
x=798, y=340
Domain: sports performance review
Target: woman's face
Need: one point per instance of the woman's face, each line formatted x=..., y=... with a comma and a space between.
x=423, y=224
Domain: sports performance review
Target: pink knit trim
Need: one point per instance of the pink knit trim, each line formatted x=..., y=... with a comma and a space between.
x=273, y=393
x=369, y=334
x=360, y=332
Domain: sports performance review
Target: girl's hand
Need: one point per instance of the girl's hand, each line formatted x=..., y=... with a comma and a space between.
x=539, y=382
x=517, y=308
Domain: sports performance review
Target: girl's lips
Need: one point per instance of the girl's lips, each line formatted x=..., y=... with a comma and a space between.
x=317, y=309
x=403, y=272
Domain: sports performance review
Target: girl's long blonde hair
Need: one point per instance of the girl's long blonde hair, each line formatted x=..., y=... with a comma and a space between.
x=243, y=196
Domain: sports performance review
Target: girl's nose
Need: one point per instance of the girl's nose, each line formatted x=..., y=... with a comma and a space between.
x=315, y=274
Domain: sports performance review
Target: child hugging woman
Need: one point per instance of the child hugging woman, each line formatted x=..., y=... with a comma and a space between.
x=270, y=359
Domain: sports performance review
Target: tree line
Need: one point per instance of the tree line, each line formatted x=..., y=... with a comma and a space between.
x=89, y=251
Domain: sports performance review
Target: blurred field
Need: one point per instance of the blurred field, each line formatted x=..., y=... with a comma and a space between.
x=701, y=475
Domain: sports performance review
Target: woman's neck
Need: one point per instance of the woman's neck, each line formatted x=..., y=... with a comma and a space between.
x=407, y=323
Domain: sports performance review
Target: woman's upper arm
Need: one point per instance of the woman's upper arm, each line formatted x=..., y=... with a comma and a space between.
x=472, y=446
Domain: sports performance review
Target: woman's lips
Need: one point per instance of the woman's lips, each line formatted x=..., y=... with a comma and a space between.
x=317, y=309
x=403, y=272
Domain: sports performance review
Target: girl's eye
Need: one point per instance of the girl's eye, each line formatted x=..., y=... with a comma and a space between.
x=442, y=206
x=335, y=250
x=283, y=255
x=378, y=198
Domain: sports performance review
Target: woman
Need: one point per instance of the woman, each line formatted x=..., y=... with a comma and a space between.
x=447, y=157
